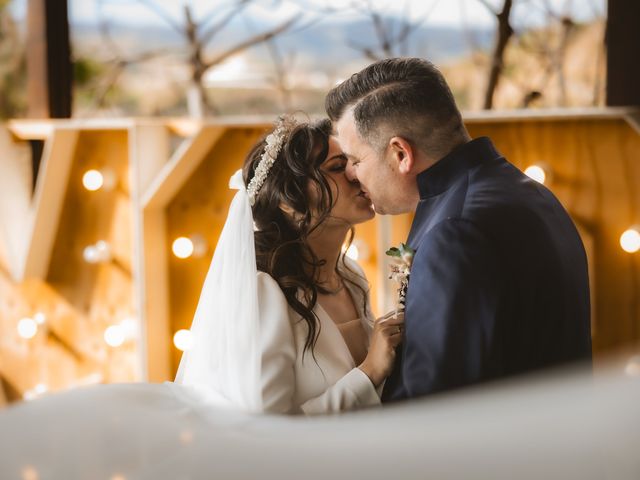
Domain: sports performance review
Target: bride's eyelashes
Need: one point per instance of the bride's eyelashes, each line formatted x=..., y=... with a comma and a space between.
x=337, y=163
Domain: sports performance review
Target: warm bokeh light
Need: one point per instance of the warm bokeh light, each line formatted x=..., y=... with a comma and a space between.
x=633, y=367
x=537, y=173
x=104, y=250
x=183, y=340
x=352, y=252
x=40, y=318
x=35, y=392
x=129, y=327
x=30, y=473
x=182, y=247
x=630, y=240
x=100, y=252
x=93, y=180
x=27, y=328
x=90, y=254
x=114, y=336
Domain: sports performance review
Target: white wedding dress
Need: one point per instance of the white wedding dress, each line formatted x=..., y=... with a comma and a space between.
x=290, y=382
x=325, y=382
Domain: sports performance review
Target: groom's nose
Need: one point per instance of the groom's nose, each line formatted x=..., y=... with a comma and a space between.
x=350, y=172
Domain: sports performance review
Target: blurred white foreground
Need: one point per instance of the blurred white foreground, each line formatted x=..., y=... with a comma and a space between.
x=566, y=427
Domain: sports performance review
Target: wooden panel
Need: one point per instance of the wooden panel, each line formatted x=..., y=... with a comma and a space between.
x=181, y=166
x=200, y=207
x=15, y=199
x=149, y=150
x=99, y=295
x=47, y=203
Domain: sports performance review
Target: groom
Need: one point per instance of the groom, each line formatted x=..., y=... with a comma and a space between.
x=499, y=281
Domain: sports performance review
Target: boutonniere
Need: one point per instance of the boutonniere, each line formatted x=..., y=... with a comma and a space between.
x=401, y=270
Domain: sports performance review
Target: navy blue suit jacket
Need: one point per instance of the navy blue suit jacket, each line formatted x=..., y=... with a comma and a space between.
x=499, y=282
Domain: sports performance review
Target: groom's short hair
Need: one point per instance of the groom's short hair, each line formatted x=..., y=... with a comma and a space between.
x=405, y=97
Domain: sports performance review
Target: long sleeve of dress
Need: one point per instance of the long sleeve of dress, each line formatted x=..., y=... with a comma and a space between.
x=279, y=354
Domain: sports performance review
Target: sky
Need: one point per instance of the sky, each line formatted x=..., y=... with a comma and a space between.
x=440, y=12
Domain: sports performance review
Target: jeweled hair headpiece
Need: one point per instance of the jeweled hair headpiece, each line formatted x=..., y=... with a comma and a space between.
x=274, y=140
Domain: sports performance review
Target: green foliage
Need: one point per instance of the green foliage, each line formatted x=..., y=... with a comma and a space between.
x=86, y=71
x=399, y=252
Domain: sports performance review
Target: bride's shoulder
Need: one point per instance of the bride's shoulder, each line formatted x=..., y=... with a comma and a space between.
x=268, y=284
x=273, y=304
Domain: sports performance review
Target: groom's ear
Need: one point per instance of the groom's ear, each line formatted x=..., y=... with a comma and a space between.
x=402, y=153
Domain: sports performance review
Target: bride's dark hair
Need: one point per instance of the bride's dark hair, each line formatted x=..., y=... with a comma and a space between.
x=282, y=249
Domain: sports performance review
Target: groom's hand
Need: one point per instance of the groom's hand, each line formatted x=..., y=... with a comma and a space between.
x=387, y=335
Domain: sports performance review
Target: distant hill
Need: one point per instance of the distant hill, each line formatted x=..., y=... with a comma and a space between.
x=323, y=45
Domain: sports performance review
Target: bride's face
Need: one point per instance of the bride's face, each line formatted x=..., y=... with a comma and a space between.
x=350, y=204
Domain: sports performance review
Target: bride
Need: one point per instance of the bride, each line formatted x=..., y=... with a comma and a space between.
x=283, y=324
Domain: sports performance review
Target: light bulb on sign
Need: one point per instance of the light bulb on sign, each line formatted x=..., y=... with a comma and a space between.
x=90, y=254
x=129, y=327
x=40, y=318
x=114, y=336
x=182, y=247
x=94, y=180
x=537, y=173
x=40, y=388
x=27, y=328
x=97, y=253
x=632, y=368
x=183, y=340
x=630, y=240
x=104, y=250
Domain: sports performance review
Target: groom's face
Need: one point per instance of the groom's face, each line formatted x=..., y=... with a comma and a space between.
x=365, y=165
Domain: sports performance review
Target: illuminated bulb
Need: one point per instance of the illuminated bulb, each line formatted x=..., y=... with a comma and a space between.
x=114, y=336
x=100, y=252
x=183, y=340
x=35, y=392
x=91, y=254
x=29, y=473
x=630, y=240
x=27, y=328
x=633, y=367
x=40, y=318
x=352, y=252
x=103, y=250
x=93, y=180
x=129, y=327
x=182, y=247
x=40, y=388
x=537, y=173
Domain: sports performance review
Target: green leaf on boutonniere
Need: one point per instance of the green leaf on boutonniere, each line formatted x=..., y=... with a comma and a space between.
x=406, y=250
x=394, y=252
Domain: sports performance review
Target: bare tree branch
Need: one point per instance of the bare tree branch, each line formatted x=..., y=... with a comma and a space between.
x=213, y=30
x=488, y=6
x=262, y=37
x=161, y=13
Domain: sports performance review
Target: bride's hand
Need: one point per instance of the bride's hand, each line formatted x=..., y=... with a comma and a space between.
x=387, y=334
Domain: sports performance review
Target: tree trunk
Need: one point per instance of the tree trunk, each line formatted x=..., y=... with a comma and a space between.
x=504, y=34
x=50, y=73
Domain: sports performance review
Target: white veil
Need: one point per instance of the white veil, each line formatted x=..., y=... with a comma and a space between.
x=224, y=361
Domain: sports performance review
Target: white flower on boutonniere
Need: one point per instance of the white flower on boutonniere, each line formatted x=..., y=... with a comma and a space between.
x=401, y=270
